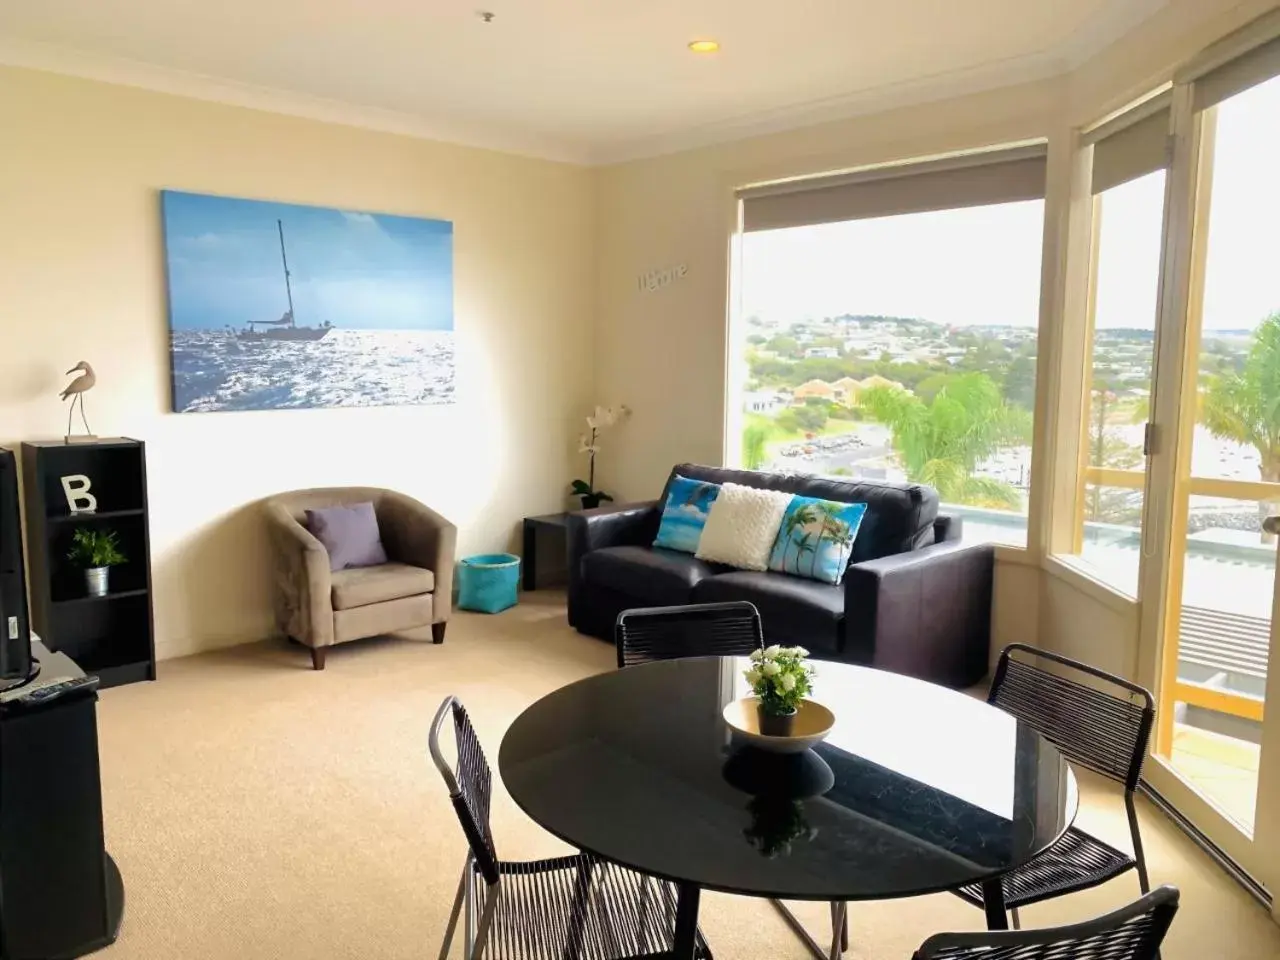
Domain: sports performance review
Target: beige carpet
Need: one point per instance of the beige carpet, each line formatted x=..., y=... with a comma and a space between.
x=260, y=810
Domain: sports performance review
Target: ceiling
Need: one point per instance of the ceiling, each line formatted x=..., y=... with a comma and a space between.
x=582, y=80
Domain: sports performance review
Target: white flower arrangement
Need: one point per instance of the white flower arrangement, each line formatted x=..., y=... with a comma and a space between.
x=780, y=677
x=601, y=419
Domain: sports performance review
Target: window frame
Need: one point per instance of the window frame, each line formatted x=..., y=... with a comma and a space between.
x=1073, y=397
x=970, y=172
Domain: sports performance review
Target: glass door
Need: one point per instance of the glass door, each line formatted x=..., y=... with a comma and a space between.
x=1217, y=742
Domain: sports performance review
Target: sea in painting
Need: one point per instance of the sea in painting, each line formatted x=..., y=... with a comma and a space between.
x=277, y=306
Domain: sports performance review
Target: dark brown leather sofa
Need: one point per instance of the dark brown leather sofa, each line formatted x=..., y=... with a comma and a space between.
x=915, y=598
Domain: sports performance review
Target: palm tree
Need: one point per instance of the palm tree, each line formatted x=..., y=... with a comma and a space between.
x=804, y=545
x=1106, y=449
x=942, y=442
x=798, y=518
x=1244, y=406
x=833, y=530
x=755, y=441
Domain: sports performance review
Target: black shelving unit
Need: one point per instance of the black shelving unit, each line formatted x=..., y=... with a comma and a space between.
x=111, y=636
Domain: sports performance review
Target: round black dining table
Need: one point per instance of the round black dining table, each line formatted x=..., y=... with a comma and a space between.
x=917, y=789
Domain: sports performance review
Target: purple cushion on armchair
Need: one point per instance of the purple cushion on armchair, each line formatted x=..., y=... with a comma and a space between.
x=350, y=535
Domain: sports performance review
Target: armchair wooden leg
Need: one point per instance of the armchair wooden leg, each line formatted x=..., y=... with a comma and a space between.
x=437, y=632
x=317, y=657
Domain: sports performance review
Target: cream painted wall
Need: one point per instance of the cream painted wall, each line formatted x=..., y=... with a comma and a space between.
x=81, y=277
x=1015, y=606
x=1082, y=624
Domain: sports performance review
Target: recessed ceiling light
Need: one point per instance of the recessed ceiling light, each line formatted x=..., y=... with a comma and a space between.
x=704, y=46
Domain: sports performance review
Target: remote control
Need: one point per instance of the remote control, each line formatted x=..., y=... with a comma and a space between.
x=52, y=690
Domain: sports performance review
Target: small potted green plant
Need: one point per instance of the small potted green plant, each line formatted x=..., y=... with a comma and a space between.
x=97, y=551
x=780, y=678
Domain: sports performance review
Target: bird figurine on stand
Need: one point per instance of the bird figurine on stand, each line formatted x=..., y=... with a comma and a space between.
x=76, y=390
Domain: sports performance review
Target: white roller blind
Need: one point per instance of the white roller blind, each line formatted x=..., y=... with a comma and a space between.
x=972, y=180
x=1239, y=61
x=1128, y=150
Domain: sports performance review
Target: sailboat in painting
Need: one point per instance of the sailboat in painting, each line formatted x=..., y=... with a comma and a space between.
x=285, y=328
x=363, y=317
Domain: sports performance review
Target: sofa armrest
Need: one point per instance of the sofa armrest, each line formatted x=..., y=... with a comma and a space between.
x=303, y=584
x=947, y=527
x=926, y=612
x=613, y=525
x=415, y=534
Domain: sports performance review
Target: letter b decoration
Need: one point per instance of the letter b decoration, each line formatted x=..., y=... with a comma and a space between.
x=79, y=499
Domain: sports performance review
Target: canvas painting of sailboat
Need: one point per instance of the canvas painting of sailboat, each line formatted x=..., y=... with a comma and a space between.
x=276, y=306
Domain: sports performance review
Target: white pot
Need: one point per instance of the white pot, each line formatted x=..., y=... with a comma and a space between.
x=95, y=580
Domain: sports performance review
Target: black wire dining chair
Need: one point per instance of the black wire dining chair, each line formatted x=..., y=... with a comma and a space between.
x=1133, y=932
x=577, y=906
x=730, y=629
x=1103, y=725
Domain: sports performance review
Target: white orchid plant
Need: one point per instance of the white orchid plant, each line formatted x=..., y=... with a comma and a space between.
x=780, y=677
x=589, y=443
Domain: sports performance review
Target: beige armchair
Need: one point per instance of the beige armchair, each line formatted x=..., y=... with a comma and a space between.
x=319, y=608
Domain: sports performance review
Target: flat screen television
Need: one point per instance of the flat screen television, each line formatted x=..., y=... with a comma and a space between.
x=16, y=667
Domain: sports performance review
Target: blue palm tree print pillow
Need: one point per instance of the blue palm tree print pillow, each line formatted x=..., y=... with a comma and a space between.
x=816, y=538
x=685, y=514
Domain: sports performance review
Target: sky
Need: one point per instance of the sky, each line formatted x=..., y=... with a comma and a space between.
x=368, y=271
x=981, y=265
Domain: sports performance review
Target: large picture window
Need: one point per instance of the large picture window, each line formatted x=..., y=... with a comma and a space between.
x=899, y=346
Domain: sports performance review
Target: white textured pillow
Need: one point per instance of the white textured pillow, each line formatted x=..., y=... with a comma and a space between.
x=742, y=526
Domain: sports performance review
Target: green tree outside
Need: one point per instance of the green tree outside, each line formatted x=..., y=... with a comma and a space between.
x=1104, y=504
x=1020, y=381
x=755, y=443
x=1244, y=405
x=784, y=346
x=941, y=442
x=804, y=419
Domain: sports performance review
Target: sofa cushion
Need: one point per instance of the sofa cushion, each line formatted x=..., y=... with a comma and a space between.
x=793, y=610
x=349, y=533
x=816, y=537
x=378, y=619
x=650, y=574
x=742, y=526
x=899, y=516
x=361, y=586
x=685, y=507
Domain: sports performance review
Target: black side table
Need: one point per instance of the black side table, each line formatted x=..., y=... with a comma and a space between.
x=552, y=524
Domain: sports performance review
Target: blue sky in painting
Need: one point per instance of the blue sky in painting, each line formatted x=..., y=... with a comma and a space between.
x=358, y=271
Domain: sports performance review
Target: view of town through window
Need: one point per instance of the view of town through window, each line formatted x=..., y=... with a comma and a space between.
x=898, y=348
x=1127, y=265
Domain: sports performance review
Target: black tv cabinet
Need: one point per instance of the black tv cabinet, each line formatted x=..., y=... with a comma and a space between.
x=63, y=894
x=113, y=636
